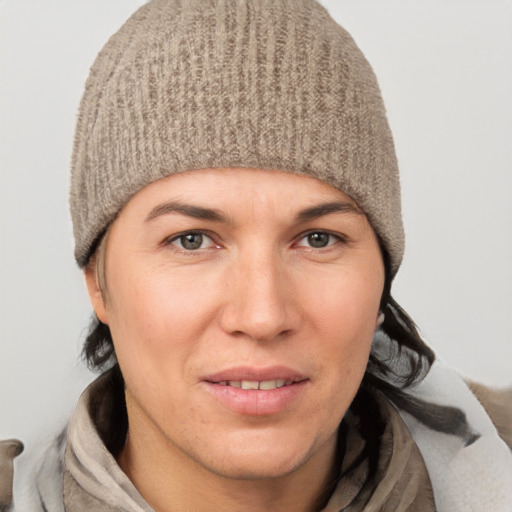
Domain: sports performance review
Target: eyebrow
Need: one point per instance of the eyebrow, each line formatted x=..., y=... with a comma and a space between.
x=196, y=212
x=325, y=209
x=212, y=214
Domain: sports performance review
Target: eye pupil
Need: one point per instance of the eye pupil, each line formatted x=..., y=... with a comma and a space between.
x=318, y=239
x=192, y=241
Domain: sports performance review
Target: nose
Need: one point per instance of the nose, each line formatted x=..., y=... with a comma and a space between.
x=260, y=300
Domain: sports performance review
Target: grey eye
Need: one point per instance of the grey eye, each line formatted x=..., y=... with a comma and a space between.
x=191, y=241
x=318, y=239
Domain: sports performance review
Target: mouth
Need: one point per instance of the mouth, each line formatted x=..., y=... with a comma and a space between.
x=256, y=392
x=265, y=385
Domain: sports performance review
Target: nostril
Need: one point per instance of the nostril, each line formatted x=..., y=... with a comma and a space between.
x=283, y=334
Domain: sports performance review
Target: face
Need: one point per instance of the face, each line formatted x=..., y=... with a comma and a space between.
x=242, y=304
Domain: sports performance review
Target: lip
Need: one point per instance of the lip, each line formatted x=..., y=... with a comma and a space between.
x=253, y=402
x=259, y=374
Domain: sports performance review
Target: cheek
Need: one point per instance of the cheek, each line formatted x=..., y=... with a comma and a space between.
x=157, y=319
x=347, y=307
x=155, y=302
x=343, y=322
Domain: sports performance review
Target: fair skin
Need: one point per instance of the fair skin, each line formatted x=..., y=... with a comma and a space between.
x=224, y=279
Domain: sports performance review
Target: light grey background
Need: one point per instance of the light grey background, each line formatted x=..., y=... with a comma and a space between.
x=445, y=68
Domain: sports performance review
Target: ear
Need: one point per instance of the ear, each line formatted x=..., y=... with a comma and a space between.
x=94, y=290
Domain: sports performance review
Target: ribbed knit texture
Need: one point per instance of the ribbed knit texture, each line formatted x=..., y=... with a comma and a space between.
x=191, y=84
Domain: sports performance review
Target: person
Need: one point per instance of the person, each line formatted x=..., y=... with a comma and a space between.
x=236, y=210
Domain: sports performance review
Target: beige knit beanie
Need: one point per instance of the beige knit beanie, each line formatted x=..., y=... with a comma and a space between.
x=269, y=84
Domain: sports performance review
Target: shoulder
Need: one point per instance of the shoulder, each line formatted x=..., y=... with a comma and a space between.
x=35, y=480
x=9, y=449
x=467, y=472
x=498, y=405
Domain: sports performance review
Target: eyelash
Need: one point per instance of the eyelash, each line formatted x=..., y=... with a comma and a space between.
x=175, y=238
x=338, y=238
x=171, y=240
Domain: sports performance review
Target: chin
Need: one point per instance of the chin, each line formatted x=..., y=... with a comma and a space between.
x=257, y=468
x=259, y=459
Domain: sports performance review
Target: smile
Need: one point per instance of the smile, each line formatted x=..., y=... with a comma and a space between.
x=257, y=392
x=255, y=384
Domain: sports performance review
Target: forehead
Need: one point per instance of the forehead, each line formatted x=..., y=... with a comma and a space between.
x=231, y=187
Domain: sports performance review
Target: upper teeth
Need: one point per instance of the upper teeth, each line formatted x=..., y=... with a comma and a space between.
x=255, y=384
